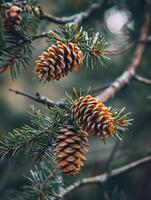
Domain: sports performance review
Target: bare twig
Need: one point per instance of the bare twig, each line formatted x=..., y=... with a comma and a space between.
x=77, y=18
x=127, y=75
x=136, y=77
x=106, y=176
x=96, y=89
x=142, y=79
x=105, y=192
x=112, y=155
x=120, y=51
x=42, y=35
x=127, y=47
x=40, y=99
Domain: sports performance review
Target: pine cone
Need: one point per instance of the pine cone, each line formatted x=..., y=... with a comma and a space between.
x=12, y=17
x=58, y=60
x=71, y=143
x=93, y=117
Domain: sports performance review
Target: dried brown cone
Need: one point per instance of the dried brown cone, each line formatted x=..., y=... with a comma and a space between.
x=71, y=143
x=58, y=61
x=93, y=117
x=12, y=17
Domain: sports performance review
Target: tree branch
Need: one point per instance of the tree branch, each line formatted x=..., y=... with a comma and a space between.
x=117, y=85
x=111, y=156
x=127, y=75
x=120, y=51
x=42, y=35
x=142, y=79
x=106, y=176
x=127, y=47
x=76, y=19
x=38, y=98
x=120, y=82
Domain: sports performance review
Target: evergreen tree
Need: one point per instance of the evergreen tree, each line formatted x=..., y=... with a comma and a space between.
x=53, y=145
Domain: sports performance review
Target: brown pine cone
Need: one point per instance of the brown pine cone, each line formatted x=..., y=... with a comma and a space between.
x=93, y=117
x=71, y=143
x=12, y=17
x=58, y=60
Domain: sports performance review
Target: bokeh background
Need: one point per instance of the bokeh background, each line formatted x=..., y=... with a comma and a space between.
x=120, y=22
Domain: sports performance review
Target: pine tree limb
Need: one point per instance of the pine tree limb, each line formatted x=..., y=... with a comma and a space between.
x=111, y=156
x=105, y=176
x=122, y=50
x=76, y=19
x=38, y=98
x=127, y=75
x=40, y=186
x=127, y=47
x=142, y=79
x=42, y=35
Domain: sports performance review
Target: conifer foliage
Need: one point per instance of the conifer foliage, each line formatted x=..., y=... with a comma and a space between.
x=71, y=47
x=68, y=143
x=56, y=142
x=12, y=18
x=16, y=34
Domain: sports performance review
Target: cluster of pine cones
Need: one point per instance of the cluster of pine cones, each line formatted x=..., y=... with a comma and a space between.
x=91, y=117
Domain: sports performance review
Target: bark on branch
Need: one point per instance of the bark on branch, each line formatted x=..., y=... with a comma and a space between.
x=127, y=75
x=38, y=98
x=121, y=81
x=76, y=19
x=106, y=176
x=142, y=79
x=109, y=92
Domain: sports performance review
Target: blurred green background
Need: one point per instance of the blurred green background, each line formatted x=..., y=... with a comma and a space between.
x=120, y=21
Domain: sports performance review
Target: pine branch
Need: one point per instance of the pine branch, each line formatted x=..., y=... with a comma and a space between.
x=45, y=179
x=18, y=144
x=102, y=178
x=44, y=182
x=76, y=19
x=48, y=124
x=16, y=35
x=50, y=103
x=29, y=136
x=127, y=75
x=42, y=35
x=40, y=99
x=92, y=45
x=28, y=142
x=16, y=56
x=39, y=186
